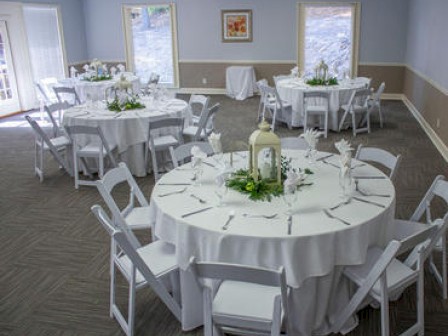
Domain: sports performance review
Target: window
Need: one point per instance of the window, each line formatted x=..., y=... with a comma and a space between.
x=44, y=41
x=151, y=42
x=329, y=32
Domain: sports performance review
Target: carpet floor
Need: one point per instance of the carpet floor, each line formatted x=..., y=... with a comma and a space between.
x=54, y=265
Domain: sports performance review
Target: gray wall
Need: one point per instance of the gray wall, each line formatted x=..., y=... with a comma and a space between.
x=73, y=24
x=427, y=47
x=383, y=30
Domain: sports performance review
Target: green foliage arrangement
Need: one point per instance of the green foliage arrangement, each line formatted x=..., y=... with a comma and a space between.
x=129, y=104
x=322, y=82
x=262, y=189
x=98, y=78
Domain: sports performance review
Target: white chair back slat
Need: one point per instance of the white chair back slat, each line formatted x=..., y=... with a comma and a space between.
x=183, y=152
x=425, y=203
x=62, y=91
x=104, y=219
x=206, y=121
x=380, y=156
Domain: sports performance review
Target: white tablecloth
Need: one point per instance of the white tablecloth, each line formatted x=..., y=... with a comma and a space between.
x=312, y=255
x=240, y=82
x=128, y=130
x=96, y=90
x=292, y=89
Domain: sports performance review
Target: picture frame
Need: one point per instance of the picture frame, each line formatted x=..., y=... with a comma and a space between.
x=236, y=25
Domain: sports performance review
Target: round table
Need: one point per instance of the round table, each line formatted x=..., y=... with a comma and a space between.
x=314, y=253
x=291, y=90
x=96, y=90
x=128, y=130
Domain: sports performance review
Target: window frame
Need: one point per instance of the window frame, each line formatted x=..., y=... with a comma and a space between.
x=128, y=38
x=356, y=10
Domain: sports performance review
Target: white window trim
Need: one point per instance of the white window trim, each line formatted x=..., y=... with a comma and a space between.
x=355, y=32
x=129, y=46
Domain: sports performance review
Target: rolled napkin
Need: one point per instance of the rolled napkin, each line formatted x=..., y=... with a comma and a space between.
x=311, y=137
x=86, y=67
x=197, y=156
x=113, y=71
x=214, y=140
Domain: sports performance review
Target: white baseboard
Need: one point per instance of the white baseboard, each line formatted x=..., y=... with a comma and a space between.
x=207, y=91
x=441, y=147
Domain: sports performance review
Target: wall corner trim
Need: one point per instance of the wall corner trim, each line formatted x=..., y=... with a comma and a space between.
x=441, y=147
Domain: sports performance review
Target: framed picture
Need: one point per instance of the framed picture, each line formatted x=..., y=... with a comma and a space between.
x=237, y=25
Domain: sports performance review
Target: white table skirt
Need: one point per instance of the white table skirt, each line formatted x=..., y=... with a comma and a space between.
x=291, y=90
x=312, y=254
x=240, y=82
x=97, y=90
x=129, y=131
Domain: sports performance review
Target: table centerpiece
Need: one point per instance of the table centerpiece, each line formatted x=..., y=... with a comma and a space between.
x=96, y=72
x=321, y=76
x=124, y=98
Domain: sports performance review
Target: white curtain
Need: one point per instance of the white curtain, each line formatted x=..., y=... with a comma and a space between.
x=44, y=42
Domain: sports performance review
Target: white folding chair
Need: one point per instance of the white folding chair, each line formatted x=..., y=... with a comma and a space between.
x=294, y=143
x=248, y=301
x=198, y=105
x=382, y=276
x=97, y=148
x=153, y=80
x=70, y=93
x=205, y=126
x=279, y=110
x=59, y=108
x=358, y=109
x=375, y=102
x=183, y=152
x=136, y=217
x=152, y=265
x=45, y=93
x=57, y=146
x=380, y=156
x=366, y=80
x=316, y=103
x=159, y=143
x=438, y=188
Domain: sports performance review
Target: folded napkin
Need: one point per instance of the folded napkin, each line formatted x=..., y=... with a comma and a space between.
x=198, y=156
x=344, y=147
x=292, y=181
x=214, y=140
x=311, y=137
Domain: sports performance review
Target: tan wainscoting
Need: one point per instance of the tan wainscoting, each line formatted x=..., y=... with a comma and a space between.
x=430, y=102
x=191, y=73
x=392, y=75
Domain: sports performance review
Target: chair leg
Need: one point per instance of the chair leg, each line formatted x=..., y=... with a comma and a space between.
x=101, y=165
x=384, y=307
x=75, y=169
x=380, y=115
x=112, y=282
x=354, y=123
x=131, y=303
x=444, y=269
x=326, y=124
x=155, y=166
x=420, y=303
x=305, y=121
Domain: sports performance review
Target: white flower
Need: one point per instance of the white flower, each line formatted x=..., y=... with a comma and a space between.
x=214, y=140
x=292, y=181
x=96, y=63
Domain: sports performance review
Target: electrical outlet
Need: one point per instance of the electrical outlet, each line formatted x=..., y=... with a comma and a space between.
x=204, y=80
x=438, y=123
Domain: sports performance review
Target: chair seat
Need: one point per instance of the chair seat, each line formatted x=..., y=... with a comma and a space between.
x=244, y=301
x=397, y=273
x=159, y=256
x=91, y=150
x=138, y=218
x=316, y=109
x=272, y=104
x=58, y=142
x=191, y=131
x=165, y=141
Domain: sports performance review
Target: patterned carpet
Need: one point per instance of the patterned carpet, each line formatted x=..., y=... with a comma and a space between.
x=54, y=272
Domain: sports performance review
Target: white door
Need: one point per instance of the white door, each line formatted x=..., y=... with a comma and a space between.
x=9, y=99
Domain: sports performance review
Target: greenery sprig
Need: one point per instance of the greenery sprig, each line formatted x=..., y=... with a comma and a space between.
x=262, y=189
x=98, y=78
x=129, y=104
x=322, y=82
